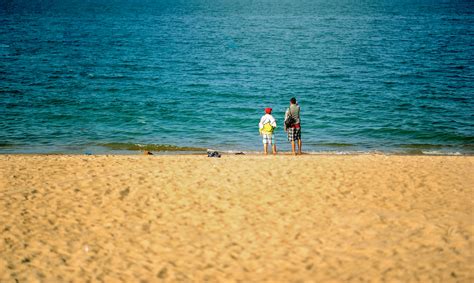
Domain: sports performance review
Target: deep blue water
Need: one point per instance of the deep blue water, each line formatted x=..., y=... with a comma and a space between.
x=390, y=76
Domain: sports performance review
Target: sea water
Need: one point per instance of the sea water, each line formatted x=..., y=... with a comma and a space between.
x=112, y=76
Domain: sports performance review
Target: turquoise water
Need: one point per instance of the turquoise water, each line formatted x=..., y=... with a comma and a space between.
x=110, y=76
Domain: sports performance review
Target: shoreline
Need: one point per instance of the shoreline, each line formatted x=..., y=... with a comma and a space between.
x=169, y=149
x=243, y=153
x=240, y=217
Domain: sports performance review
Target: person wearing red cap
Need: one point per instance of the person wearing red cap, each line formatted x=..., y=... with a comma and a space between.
x=266, y=127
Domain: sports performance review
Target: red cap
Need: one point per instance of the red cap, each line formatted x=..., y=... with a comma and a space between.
x=268, y=110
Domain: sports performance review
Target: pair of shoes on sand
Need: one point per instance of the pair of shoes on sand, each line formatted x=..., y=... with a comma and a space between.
x=213, y=154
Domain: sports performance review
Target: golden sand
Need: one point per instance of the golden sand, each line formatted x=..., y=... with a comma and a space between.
x=245, y=218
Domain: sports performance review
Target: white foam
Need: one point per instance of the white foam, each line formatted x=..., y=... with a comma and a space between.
x=436, y=152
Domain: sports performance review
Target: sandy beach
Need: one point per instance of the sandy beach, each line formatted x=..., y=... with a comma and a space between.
x=247, y=218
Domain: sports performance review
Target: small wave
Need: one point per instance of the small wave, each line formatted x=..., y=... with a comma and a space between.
x=422, y=146
x=198, y=85
x=335, y=144
x=4, y=144
x=435, y=152
x=150, y=147
x=11, y=91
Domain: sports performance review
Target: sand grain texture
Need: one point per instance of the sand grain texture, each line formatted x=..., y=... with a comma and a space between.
x=238, y=218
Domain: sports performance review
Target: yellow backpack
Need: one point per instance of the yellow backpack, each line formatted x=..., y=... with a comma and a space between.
x=267, y=128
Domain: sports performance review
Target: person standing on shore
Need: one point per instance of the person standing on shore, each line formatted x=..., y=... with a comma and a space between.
x=266, y=127
x=293, y=125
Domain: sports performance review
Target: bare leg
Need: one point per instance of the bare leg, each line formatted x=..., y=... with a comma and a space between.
x=299, y=146
x=265, y=148
x=274, y=149
x=293, y=147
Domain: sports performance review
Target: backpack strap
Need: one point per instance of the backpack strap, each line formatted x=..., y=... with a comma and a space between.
x=267, y=121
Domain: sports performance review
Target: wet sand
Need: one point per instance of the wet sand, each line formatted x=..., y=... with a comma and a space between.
x=311, y=218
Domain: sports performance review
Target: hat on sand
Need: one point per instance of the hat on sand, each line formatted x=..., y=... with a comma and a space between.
x=268, y=110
